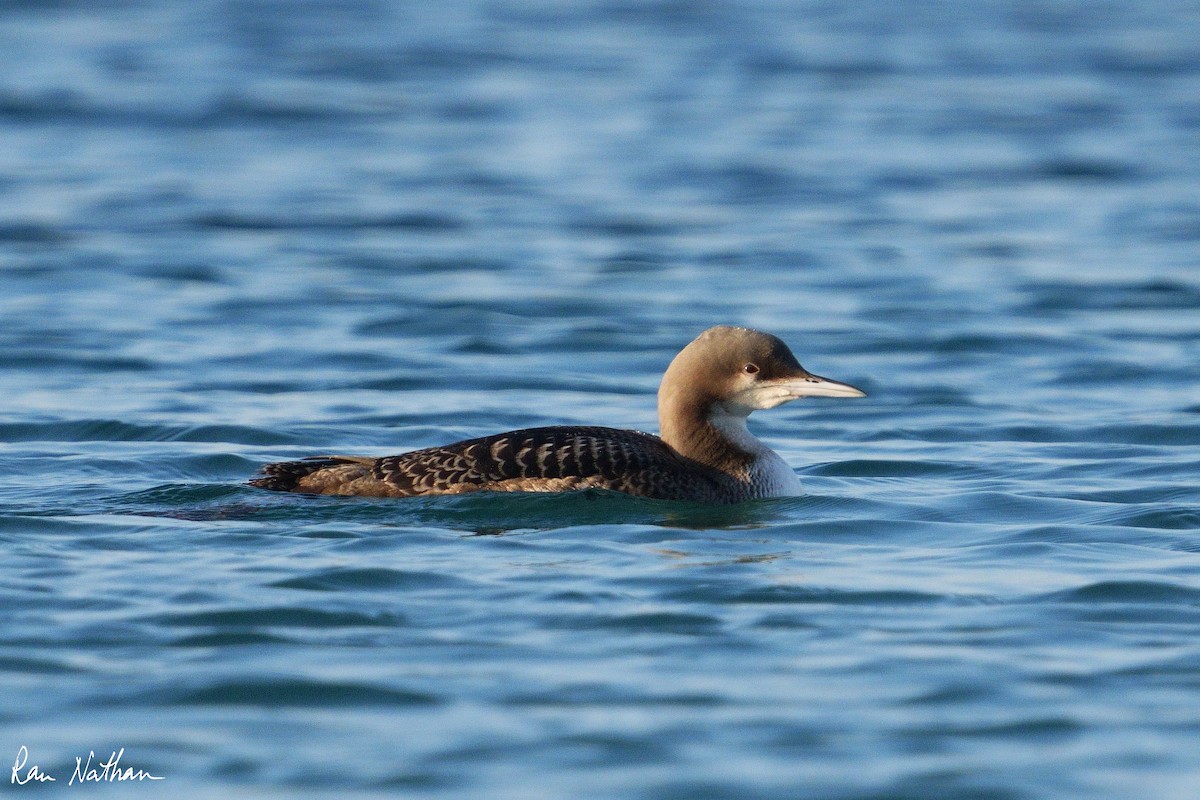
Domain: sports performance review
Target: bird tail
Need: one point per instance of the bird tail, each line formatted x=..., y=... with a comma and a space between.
x=285, y=476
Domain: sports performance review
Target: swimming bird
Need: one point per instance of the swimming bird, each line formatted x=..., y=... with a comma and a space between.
x=705, y=452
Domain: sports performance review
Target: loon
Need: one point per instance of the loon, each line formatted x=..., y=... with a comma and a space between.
x=704, y=454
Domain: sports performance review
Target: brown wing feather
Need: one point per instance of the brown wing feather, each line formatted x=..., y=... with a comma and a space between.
x=551, y=459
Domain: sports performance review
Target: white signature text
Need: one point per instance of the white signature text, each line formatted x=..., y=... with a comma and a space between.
x=86, y=771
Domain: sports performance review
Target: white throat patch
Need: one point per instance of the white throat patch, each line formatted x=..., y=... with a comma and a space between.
x=770, y=475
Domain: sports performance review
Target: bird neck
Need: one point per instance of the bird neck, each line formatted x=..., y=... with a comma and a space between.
x=705, y=432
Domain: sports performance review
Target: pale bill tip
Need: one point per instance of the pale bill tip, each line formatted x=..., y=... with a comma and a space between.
x=816, y=386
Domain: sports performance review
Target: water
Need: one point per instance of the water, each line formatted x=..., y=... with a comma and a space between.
x=240, y=232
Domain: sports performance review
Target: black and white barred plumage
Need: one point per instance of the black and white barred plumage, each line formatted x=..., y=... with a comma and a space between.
x=551, y=459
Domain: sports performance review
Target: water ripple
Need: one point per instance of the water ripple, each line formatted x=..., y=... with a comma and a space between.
x=300, y=693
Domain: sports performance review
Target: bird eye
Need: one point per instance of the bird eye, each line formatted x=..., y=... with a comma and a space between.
x=750, y=369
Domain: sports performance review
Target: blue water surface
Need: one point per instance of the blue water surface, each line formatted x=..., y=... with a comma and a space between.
x=236, y=232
